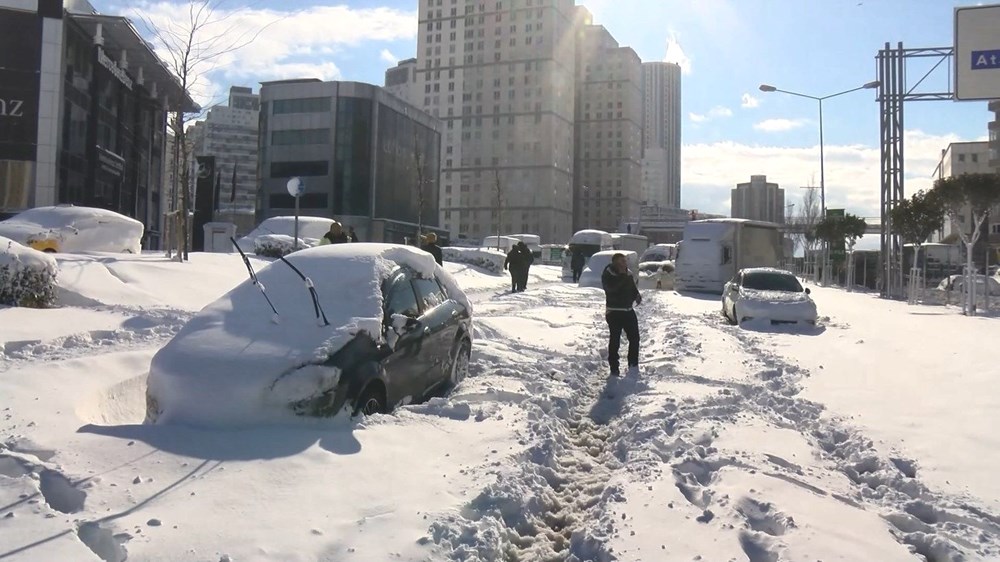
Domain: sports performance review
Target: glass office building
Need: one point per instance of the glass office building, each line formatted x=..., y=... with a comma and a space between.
x=366, y=157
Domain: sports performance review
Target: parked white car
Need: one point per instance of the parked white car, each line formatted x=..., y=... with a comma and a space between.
x=957, y=283
x=68, y=228
x=767, y=294
x=311, y=229
x=591, y=276
x=656, y=275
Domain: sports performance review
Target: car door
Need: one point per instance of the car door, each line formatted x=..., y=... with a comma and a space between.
x=406, y=367
x=439, y=315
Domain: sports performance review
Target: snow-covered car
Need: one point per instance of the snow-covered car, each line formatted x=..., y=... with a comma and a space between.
x=957, y=283
x=659, y=252
x=656, y=275
x=591, y=275
x=311, y=229
x=356, y=327
x=767, y=294
x=68, y=228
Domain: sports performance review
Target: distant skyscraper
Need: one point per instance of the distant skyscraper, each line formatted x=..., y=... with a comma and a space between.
x=608, y=163
x=758, y=200
x=661, y=165
x=401, y=81
x=500, y=74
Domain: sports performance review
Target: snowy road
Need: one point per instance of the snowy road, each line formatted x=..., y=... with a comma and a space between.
x=714, y=451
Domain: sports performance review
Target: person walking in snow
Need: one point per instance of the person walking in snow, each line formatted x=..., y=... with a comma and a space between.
x=527, y=258
x=335, y=235
x=431, y=247
x=620, y=293
x=576, y=264
x=519, y=259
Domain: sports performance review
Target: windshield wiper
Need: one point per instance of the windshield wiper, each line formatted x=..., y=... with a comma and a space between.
x=253, y=277
x=320, y=315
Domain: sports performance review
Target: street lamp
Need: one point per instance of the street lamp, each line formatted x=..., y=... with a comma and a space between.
x=822, y=170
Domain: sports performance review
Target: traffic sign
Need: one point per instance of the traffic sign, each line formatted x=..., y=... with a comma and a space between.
x=977, y=52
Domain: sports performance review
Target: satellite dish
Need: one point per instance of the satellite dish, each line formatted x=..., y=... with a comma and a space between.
x=296, y=187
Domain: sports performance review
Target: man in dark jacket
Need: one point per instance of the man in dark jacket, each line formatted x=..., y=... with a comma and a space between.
x=620, y=292
x=577, y=261
x=519, y=259
x=527, y=258
x=335, y=235
x=351, y=235
x=431, y=247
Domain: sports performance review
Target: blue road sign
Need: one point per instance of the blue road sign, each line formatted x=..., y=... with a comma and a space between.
x=982, y=60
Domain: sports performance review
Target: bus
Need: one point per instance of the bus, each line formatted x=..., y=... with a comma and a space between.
x=714, y=250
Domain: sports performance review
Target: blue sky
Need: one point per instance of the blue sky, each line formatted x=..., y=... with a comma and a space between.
x=728, y=48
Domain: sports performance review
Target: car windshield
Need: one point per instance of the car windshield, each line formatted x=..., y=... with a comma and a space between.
x=769, y=281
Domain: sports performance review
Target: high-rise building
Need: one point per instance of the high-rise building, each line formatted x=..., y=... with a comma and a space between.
x=500, y=74
x=661, y=164
x=401, y=81
x=230, y=135
x=608, y=163
x=758, y=200
x=994, y=130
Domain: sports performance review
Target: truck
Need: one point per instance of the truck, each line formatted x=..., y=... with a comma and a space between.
x=714, y=250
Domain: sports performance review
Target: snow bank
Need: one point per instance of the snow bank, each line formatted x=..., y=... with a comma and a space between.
x=67, y=228
x=488, y=259
x=224, y=367
x=27, y=277
x=276, y=245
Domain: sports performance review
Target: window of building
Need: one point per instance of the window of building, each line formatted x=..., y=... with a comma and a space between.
x=300, y=136
x=301, y=105
x=300, y=168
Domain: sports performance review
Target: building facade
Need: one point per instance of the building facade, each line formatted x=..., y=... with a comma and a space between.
x=661, y=119
x=968, y=158
x=608, y=133
x=367, y=158
x=500, y=74
x=401, y=81
x=758, y=200
x=229, y=134
x=84, y=112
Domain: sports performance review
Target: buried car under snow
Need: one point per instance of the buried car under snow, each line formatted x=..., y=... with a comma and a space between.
x=362, y=327
x=68, y=228
x=764, y=293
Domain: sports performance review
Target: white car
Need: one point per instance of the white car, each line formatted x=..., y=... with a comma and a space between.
x=311, y=229
x=68, y=228
x=591, y=276
x=656, y=275
x=957, y=283
x=769, y=295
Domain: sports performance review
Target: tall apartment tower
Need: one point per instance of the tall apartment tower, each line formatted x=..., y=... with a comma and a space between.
x=401, y=81
x=661, y=164
x=609, y=104
x=230, y=135
x=758, y=200
x=500, y=74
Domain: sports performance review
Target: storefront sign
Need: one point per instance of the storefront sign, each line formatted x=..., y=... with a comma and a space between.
x=20, y=61
x=118, y=72
x=110, y=162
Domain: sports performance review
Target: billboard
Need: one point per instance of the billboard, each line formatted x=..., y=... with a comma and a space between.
x=977, y=52
x=20, y=61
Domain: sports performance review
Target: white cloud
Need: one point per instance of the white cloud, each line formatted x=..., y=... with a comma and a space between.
x=749, y=102
x=288, y=44
x=388, y=57
x=779, y=125
x=716, y=112
x=675, y=54
x=853, y=176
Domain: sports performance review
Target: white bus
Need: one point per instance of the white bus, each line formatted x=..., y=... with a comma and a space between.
x=629, y=242
x=713, y=250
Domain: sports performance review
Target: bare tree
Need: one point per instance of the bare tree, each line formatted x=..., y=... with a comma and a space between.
x=418, y=162
x=194, y=45
x=498, y=201
x=808, y=218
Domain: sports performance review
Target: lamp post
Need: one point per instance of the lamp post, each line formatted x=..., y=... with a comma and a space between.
x=296, y=187
x=822, y=174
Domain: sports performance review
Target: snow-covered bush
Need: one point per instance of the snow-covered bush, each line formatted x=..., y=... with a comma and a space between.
x=490, y=260
x=27, y=276
x=275, y=245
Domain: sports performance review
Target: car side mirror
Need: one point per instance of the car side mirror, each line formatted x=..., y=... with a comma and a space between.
x=808, y=292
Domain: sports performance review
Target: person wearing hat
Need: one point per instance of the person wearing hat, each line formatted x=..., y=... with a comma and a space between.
x=431, y=247
x=335, y=235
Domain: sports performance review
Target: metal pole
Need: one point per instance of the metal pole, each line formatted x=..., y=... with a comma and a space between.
x=822, y=196
x=295, y=243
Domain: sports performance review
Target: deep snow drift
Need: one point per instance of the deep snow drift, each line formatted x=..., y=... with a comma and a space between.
x=870, y=437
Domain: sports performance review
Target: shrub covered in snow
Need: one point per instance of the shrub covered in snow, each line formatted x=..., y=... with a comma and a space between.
x=275, y=245
x=27, y=277
x=490, y=260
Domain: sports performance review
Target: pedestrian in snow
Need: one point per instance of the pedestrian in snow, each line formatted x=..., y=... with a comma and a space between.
x=431, y=247
x=353, y=236
x=519, y=259
x=527, y=258
x=576, y=264
x=620, y=292
x=335, y=235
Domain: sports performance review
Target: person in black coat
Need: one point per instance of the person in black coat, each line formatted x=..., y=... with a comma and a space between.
x=431, y=247
x=353, y=236
x=335, y=235
x=576, y=263
x=620, y=293
x=519, y=260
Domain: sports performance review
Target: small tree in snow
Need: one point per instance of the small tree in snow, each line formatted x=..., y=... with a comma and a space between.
x=852, y=228
x=499, y=201
x=808, y=218
x=914, y=220
x=974, y=194
x=846, y=229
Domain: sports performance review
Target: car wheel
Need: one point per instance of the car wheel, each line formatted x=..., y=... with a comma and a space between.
x=460, y=364
x=49, y=250
x=736, y=319
x=371, y=401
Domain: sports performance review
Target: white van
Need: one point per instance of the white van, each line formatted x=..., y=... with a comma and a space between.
x=714, y=250
x=632, y=242
x=588, y=242
x=532, y=241
x=659, y=252
x=591, y=276
x=503, y=243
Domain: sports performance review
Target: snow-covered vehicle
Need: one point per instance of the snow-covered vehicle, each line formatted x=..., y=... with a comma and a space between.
x=372, y=327
x=68, y=228
x=591, y=276
x=659, y=252
x=632, y=242
x=656, y=275
x=587, y=242
x=311, y=229
x=714, y=250
x=957, y=283
x=767, y=294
